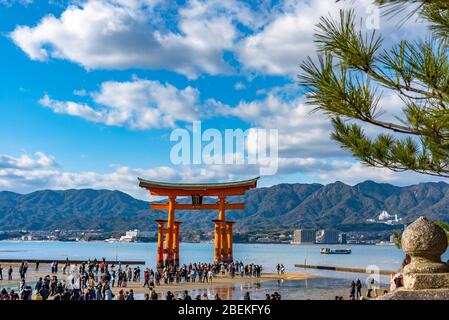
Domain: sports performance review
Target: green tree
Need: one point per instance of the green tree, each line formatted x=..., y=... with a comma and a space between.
x=397, y=239
x=354, y=69
x=445, y=226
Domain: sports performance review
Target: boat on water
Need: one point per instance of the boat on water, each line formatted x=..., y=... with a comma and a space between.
x=335, y=251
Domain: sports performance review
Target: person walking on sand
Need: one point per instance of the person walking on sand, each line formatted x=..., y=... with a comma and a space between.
x=146, y=278
x=10, y=273
x=358, y=287
x=210, y=276
x=21, y=270
x=130, y=296
x=371, y=285
x=374, y=287
x=169, y=296
x=1, y=272
x=38, y=285
x=153, y=294
x=113, y=276
x=186, y=296
x=124, y=280
x=108, y=295
x=352, y=292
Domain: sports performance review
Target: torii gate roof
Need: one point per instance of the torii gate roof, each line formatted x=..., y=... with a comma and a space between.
x=205, y=189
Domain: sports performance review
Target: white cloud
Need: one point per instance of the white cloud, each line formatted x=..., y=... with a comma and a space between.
x=35, y=174
x=301, y=133
x=113, y=34
x=27, y=162
x=190, y=39
x=26, y=174
x=283, y=43
x=80, y=92
x=71, y=108
x=239, y=86
x=137, y=104
x=354, y=172
x=9, y=3
x=288, y=38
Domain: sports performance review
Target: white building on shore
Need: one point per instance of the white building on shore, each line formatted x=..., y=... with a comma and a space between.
x=134, y=235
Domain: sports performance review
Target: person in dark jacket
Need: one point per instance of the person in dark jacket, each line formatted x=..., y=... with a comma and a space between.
x=358, y=287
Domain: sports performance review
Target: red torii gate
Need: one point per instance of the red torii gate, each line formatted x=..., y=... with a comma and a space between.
x=168, y=235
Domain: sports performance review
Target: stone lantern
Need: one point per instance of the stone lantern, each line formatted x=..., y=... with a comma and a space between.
x=426, y=277
x=425, y=242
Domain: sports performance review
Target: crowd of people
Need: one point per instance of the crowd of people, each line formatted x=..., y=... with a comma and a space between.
x=94, y=280
x=201, y=272
x=356, y=290
x=373, y=285
x=280, y=268
x=23, y=268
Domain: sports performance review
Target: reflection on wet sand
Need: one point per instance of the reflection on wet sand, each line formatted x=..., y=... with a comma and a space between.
x=315, y=288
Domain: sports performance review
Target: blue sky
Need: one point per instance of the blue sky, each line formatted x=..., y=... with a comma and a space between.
x=90, y=90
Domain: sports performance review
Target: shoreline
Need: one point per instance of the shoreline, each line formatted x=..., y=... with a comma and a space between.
x=202, y=242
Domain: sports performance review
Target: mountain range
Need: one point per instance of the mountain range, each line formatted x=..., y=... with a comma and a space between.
x=284, y=206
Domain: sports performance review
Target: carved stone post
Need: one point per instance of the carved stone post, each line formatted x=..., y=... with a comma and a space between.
x=426, y=277
x=425, y=242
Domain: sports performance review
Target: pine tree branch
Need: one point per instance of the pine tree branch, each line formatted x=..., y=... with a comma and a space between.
x=349, y=71
x=388, y=152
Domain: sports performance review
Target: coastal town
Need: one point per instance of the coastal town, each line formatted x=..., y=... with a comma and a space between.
x=298, y=236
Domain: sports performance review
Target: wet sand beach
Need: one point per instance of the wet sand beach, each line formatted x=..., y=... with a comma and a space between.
x=217, y=282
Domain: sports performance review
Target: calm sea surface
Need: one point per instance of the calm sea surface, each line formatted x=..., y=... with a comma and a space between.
x=386, y=257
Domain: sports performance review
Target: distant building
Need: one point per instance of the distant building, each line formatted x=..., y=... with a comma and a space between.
x=130, y=236
x=264, y=240
x=304, y=236
x=132, y=233
x=327, y=236
x=145, y=234
x=342, y=238
x=386, y=218
x=126, y=239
